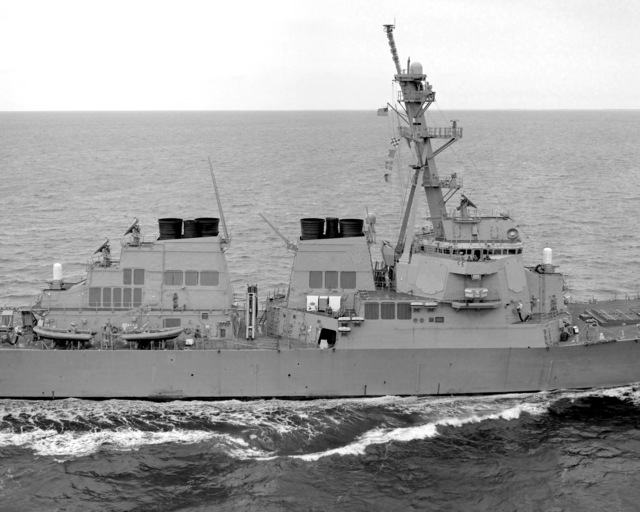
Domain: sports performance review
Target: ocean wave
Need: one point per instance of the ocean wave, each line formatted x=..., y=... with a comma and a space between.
x=267, y=429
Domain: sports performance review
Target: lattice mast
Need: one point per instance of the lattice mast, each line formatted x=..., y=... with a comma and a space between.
x=416, y=96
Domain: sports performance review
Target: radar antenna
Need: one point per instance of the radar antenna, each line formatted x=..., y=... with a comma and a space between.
x=392, y=45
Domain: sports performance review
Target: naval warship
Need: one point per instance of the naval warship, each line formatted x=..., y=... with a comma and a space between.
x=448, y=308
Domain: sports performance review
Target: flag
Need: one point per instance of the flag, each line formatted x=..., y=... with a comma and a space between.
x=393, y=148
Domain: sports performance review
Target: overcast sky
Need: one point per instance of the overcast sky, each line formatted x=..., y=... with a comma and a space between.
x=318, y=54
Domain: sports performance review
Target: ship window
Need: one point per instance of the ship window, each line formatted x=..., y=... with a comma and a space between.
x=209, y=278
x=388, y=310
x=191, y=278
x=173, y=277
x=126, y=297
x=171, y=322
x=371, y=311
x=94, y=297
x=106, y=297
x=204, y=316
x=331, y=279
x=117, y=297
x=404, y=311
x=348, y=280
x=315, y=279
x=137, y=297
x=138, y=276
x=126, y=276
x=439, y=319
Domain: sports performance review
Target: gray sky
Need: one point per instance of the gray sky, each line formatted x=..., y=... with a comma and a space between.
x=319, y=54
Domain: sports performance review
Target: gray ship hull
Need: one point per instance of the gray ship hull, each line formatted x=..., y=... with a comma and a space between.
x=304, y=373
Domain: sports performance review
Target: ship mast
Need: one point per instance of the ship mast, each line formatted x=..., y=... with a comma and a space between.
x=416, y=96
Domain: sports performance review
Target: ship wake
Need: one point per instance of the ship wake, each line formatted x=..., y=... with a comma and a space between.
x=272, y=429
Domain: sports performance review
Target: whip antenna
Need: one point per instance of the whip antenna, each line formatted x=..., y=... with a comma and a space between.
x=227, y=238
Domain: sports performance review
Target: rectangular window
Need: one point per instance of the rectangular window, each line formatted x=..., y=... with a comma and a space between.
x=388, y=310
x=348, y=280
x=126, y=276
x=173, y=277
x=95, y=295
x=404, y=311
x=371, y=311
x=137, y=297
x=126, y=298
x=117, y=297
x=106, y=297
x=439, y=319
x=315, y=279
x=171, y=322
x=138, y=276
x=191, y=278
x=209, y=278
x=331, y=279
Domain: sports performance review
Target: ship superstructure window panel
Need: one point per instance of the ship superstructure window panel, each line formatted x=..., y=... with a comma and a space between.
x=138, y=276
x=106, y=297
x=371, y=311
x=388, y=311
x=348, y=280
x=191, y=278
x=117, y=297
x=133, y=276
x=95, y=295
x=126, y=297
x=137, y=297
x=331, y=279
x=404, y=311
x=171, y=322
x=209, y=278
x=315, y=279
x=173, y=277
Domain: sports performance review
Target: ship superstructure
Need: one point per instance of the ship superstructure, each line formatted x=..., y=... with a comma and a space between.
x=461, y=272
x=176, y=280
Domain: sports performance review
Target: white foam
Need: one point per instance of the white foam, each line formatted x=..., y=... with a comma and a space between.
x=428, y=430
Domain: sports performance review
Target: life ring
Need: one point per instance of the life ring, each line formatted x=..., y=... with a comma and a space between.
x=114, y=330
x=187, y=331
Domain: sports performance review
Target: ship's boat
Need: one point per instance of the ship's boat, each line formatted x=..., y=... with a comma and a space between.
x=155, y=335
x=449, y=307
x=53, y=333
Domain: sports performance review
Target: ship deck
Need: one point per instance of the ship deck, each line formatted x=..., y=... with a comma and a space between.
x=607, y=320
x=261, y=343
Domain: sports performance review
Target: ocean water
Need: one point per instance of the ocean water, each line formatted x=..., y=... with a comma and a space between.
x=70, y=180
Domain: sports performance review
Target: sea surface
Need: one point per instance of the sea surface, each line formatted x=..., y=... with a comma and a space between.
x=68, y=181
